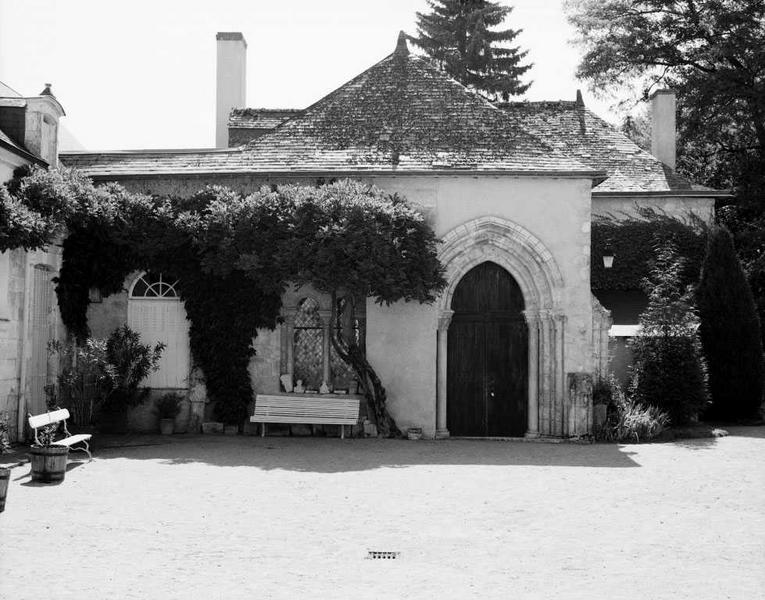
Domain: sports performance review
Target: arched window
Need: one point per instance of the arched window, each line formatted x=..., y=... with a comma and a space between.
x=150, y=285
x=156, y=312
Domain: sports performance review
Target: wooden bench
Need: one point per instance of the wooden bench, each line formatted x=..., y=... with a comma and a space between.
x=306, y=409
x=60, y=416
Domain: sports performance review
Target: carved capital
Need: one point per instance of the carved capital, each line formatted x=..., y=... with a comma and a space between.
x=444, y=319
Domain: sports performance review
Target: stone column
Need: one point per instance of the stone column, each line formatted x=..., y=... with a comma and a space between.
x=559, y=324
x=545, y=383
x=289, y=333
x=326, y=316
x=532, y=321
x=444, y=319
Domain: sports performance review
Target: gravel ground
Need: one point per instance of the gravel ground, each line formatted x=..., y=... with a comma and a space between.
x=218, y=517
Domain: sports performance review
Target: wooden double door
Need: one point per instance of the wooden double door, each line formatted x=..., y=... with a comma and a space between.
x=487, y=362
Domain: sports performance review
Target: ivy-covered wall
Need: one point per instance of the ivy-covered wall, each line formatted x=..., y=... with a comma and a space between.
x=632, y=242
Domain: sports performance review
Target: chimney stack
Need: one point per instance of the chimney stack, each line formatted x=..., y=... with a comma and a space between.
x=231, y=81
x=663, y=126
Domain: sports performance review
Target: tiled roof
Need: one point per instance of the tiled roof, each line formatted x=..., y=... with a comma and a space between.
x=7, y=143
x=578, y=132
x=402, y=115
x=260, y=118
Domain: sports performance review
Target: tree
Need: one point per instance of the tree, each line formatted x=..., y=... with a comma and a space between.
x=348, y=239
x=730, y=332
x=711, y=51
x=233, y=256
x=460, y=36
x=668, y=368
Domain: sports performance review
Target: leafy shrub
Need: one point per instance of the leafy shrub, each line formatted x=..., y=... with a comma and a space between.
x=128, y=363
x=627, y=420
x=82, y=380
x=636, y=422
x=668, y=368
x=168, y=406
x=730, y=332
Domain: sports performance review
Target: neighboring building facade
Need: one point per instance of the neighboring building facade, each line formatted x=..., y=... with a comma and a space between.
x=511, y=346
x=28, y=309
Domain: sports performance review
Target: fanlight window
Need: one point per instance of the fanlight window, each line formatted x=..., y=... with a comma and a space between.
x=151, y=285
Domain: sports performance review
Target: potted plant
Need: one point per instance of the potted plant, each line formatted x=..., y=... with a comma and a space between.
x=167, y=408
x=48, y=462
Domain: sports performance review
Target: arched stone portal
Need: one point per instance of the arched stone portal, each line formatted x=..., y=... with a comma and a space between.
x=487, y=359
x=533, y=267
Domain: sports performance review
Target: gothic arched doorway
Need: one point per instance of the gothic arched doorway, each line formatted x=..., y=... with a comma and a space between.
x=487, y=364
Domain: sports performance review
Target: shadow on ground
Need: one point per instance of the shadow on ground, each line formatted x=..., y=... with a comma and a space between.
x=323, y=455
x=70, y=466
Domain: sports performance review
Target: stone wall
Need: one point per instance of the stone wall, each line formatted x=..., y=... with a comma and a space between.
x=15, y=341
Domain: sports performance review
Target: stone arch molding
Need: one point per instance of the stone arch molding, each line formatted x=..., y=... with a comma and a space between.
x=528, y=260
x=509, y=245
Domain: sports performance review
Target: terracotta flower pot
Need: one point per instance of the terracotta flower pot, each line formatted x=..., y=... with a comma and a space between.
x=167, y=426
x=5, y=475
x=48, y=463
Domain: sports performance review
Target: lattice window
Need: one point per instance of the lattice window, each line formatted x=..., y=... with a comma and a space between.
x=309, y=344
x=314, y=360
x=154, y=285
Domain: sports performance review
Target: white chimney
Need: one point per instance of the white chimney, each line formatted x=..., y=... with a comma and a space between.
x=231, y=81
x=663, y=127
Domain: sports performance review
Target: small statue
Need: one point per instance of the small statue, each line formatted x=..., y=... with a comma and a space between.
x=324, y=389
x=286, y=380
x=299, y=388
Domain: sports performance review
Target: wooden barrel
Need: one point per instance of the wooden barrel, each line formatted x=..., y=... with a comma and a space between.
x=48, y=463
x=5, y=475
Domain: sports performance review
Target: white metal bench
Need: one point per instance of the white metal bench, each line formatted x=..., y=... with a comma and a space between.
x=298, y=408
x=60, y=416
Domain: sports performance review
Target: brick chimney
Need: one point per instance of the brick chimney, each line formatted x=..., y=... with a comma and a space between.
x=231, y=81
x=663, y=126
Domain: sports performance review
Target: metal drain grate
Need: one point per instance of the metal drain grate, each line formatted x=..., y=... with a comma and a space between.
x=377, y=554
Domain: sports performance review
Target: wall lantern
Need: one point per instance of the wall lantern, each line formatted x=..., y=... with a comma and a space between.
x=608, y=256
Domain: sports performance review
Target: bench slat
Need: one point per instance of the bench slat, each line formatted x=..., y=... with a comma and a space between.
x=75, y=439
x=297, y=419
x=301, y=409
x=49, y=418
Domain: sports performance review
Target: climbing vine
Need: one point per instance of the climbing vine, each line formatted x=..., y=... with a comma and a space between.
x=233, y=255
x=633, y=241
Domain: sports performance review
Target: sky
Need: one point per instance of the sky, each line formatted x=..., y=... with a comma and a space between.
x=141, y=74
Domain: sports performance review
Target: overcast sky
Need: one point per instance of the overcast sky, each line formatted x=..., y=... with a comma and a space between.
x=141, y=74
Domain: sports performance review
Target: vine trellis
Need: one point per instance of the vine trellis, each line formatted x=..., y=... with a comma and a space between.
x=233, y=256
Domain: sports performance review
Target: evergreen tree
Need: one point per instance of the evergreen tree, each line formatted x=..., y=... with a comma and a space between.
x=460, y=36
x=668, y=368
x=730, y=332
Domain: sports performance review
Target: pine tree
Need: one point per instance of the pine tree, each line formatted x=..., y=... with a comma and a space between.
x=460, y=36
x=668, y=369
x=730, y=332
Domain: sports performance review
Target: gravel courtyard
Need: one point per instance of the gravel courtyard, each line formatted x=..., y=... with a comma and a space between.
x=218, y=517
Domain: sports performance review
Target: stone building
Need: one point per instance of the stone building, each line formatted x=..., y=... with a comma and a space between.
x=510, y=347
x=28, y=310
